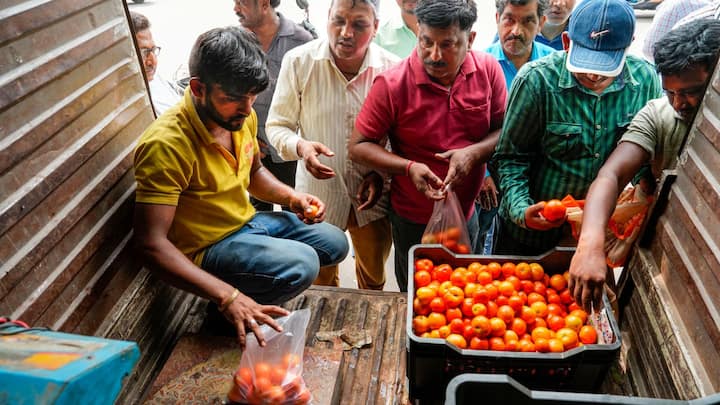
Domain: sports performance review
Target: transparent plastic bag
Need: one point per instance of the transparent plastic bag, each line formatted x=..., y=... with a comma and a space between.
x=273, y=374
x=447, y=225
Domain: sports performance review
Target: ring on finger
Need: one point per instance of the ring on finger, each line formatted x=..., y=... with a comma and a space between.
x=253, y=323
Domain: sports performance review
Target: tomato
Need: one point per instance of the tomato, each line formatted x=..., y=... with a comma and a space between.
x=244, y=379
x=540, y=332
x=506, y=313
x=479, y=309
x=580, y=313
x=497, y=343
x=466, y=307
x=508, y=269
x=277, y=375
x=468, y=332
x=497, y=327
x=457, y=340
x=554, y=210
x=506, y=288
x=481, y=326
x=457, y=326
x=425, y=295
x=527, y=314
x=420, y=324
x=442, y=272
x=422, y=278
x=540, y=308
x=303, y=397
x=588, y=335
x=568, y=337
x=438, y=305
x=462, y=248
x=526, y=346
x=573, y=322
x=477, y=343
x=452, y=233
x=458, y=277
x=436, y=320
x=516, y=303
x=444, y=331
x=555, y=322
x=454, y=297
x=495, y=269
x=291, y=361
x=311, y=211
x=537, y=272
x=557, y=281
x=424, y=264
x=522, y=271
x=419, y=308
x=484, y=278
x=453, y=313
x=262, y=370
x=555, y=345
x=519, y=326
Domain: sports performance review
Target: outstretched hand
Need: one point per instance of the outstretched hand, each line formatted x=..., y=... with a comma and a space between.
x=309, y=152
x=247, y=316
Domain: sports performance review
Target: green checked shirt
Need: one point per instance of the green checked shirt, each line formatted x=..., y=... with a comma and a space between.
x=557, y=134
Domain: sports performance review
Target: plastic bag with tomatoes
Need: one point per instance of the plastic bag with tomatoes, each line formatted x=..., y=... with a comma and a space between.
x=623, y=227
x=447, y=225
x=273, y=374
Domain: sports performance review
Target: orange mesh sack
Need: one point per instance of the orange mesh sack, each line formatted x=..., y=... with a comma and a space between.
x=447, y=225
x=273, y=374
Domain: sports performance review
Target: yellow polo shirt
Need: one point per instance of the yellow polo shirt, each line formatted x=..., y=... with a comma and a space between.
x=178, y=163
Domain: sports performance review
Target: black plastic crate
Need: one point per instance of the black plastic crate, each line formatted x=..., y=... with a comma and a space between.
x=432, y=363
x=467, y=389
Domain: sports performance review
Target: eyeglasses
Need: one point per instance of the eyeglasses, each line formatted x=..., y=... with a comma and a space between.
x=155, y=50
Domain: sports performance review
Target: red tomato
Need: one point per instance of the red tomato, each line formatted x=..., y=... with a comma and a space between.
x=554, y=210
x=424, y=264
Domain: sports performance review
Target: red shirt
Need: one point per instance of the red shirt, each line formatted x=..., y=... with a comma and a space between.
x=421, y=118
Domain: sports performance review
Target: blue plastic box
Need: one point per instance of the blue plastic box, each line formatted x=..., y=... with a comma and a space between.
x=44, y=367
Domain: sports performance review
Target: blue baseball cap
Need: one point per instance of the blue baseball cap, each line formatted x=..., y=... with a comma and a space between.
x=600, y=33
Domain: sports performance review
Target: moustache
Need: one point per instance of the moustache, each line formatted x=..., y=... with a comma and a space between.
x=438, y=64
x=515, y=37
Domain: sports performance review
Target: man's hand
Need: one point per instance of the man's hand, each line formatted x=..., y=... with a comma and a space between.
x=587, y=276
x=426, y=181
x=247, y=315
x=488, y=197
x=309, y=152
x=533, y=219
x=461, y=162
x=369, y=191
x=302, y=204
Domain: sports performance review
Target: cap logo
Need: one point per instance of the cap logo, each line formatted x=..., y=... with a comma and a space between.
x=598, y=34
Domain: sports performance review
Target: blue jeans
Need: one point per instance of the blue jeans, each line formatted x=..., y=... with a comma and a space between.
x=275, y=256
x=483, y=244
x=405, y=235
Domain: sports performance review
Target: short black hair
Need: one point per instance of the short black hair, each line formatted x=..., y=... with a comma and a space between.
x=374, y=4
x=694, y=43
x=232, y=58
x=542, y=5
x=446, y=13
x=139, y=21
x=274, y=3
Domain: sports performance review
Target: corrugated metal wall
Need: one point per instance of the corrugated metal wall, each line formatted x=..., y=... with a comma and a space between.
x=72, y=103
x=674, y=312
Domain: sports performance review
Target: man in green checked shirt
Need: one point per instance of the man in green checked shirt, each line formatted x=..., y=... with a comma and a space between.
x=566, y=112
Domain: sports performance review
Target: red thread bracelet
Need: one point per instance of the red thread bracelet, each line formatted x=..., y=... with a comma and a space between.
x=407, y=168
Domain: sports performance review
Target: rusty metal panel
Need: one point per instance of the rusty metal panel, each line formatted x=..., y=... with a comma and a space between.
x=73, y=101
x=675, y=306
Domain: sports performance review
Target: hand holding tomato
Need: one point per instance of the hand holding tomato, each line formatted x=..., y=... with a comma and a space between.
x=307, y=207
x=535, y=220
x=554, y=210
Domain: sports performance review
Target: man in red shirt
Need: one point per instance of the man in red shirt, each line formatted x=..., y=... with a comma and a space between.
x=441, y=109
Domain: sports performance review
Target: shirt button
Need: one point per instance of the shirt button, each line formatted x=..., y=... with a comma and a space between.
x=597, y=155
x=598, y=126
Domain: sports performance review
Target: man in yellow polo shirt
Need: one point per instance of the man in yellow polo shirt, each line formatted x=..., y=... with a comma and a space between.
x=195, y=167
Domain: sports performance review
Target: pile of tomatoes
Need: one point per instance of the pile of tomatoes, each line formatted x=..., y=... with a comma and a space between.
x=507, y=307
x=271, y=384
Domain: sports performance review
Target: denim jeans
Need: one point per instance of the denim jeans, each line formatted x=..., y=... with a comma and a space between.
x=406, y=234
x=483, y=244
x=275, y=256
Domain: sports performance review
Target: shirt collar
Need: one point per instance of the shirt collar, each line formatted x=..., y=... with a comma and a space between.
x=422, y=77
x=285, y=28
x=372, y=56
x=567, y=80
x=195, y=120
